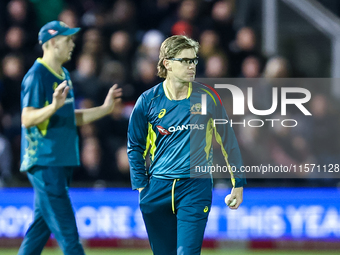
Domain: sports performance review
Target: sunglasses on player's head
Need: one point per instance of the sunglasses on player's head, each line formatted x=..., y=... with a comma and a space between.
x=186, y=61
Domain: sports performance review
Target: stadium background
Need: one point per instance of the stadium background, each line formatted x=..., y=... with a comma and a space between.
x=119, y=43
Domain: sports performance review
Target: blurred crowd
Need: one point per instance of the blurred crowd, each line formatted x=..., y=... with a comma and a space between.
x=119, y=43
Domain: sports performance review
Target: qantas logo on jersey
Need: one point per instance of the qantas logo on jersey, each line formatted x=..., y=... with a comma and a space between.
x=163, y=131
x=173, y=129
x=186, y=127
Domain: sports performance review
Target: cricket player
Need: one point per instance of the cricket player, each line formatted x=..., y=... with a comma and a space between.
x=49, y=140
x=175, y=198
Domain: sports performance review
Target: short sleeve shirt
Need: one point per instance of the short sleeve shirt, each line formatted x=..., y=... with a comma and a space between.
x=53, y=142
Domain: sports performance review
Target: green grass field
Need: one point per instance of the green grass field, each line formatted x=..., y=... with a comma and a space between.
x=204, y=252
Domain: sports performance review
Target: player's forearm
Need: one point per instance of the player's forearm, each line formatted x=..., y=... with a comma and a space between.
x=85, y=116
x=139, y=181
x=32, y=116
x=240, y=182
x=138, y=174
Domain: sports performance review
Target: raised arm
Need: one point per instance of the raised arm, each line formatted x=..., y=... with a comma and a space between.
x=84, y=116
x=32, y=116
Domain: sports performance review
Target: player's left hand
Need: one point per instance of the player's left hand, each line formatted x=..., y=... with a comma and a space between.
x=238, y=194
x=113, y=96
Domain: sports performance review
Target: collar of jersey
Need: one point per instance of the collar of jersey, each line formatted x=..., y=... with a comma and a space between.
x=166, y=92
x=61, y=77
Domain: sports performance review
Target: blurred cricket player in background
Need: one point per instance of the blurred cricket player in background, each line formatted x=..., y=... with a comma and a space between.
x=49, y=141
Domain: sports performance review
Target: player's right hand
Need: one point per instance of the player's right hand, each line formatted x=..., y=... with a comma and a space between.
x=60, y=94
x=238, y=194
